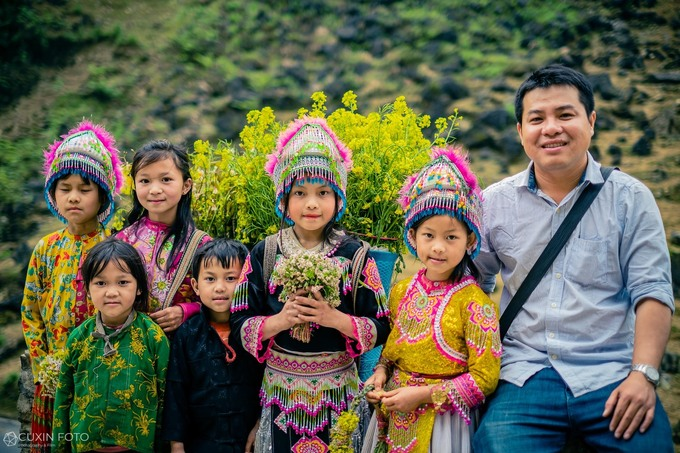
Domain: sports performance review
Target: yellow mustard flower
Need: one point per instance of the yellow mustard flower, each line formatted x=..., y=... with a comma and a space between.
x=234, y=197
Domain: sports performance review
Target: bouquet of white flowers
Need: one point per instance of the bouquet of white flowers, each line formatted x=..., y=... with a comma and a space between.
x=311, y=272
x=48, y=375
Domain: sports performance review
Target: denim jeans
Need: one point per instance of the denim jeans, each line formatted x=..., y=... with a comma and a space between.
x=539, y=417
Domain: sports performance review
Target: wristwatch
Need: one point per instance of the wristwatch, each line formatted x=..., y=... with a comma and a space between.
x=651, y=373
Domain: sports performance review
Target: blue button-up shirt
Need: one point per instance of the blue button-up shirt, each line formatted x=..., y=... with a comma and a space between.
x=580, y=318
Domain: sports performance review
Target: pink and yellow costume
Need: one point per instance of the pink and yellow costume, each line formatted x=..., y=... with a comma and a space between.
x=146, y=236
x=443, y=334
x=54, y=303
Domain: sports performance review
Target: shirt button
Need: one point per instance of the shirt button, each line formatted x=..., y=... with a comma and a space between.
x=558, y=276
x=551, y=335
x=553, y=305
x=553, y=356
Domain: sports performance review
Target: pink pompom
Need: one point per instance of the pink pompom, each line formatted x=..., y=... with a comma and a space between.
x=404, y=198
x=104, y=137
x=270, y=165
x=285, y=136
x=460, y=159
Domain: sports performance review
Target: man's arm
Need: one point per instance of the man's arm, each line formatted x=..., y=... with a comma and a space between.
x=632, y=403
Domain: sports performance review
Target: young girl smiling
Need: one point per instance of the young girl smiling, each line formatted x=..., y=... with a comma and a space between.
x=113, y=377
x=308, y=381
x=162, y=229
x=442, y=357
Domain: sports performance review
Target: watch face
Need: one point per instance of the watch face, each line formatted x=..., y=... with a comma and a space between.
x=652, y=373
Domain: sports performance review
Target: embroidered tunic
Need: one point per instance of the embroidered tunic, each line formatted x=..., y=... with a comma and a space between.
x=146, y=236
x=115, y=400
x=306, y=385
x=51, y=309
x=442, y=334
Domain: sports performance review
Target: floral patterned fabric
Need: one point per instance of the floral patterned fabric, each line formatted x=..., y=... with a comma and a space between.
x=50, y=308
x=146, y=236
x=443, y=334
x=115, y=400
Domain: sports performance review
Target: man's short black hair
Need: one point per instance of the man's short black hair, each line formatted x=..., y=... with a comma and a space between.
x=555, y=74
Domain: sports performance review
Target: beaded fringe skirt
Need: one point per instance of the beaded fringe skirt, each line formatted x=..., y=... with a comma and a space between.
x=303, y=395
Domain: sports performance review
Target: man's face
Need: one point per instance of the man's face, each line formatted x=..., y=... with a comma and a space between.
x=556, y=130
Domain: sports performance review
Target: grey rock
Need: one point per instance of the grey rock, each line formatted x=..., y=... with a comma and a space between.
x=643, y=147
x=602, y=84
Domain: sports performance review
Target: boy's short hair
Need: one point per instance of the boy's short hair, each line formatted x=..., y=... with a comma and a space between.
x=225, y=251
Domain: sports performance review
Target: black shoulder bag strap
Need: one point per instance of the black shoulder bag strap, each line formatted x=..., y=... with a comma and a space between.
x=551, y=251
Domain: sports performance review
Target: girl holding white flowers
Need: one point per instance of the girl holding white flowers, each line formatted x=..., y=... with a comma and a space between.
x=442, y=357
x=307, y=341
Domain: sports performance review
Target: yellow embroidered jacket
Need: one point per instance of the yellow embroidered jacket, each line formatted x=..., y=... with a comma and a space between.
x=442, y=334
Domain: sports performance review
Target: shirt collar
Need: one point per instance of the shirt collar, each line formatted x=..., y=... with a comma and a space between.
x=153, y=225
x=592, y=175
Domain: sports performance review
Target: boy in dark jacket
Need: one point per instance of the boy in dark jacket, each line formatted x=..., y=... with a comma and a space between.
x=211, y=398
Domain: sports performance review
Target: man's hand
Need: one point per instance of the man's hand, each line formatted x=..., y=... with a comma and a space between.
x=631, y=406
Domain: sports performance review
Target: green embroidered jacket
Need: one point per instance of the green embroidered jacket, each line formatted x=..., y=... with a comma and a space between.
x=116, y=400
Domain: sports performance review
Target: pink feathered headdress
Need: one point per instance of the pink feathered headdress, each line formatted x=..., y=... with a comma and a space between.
x=89, y=151
x=444, y=186
x=309, y=149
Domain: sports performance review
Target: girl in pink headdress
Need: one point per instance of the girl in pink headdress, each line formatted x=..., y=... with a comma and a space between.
x=82, y=177
x=160, y=226
x=442, y=356
x=308, y=379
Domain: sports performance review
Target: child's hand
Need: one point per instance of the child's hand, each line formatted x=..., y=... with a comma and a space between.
x=378, y=380
x=314, y=308
x=283, y=320
x=311, y=308
x=291, y=311
x=169, y=319
x=176, y=447
x=406, y=399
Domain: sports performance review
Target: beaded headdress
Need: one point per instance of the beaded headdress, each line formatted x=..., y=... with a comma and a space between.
x=309, y=149
x=89, y=151
x=444, y=186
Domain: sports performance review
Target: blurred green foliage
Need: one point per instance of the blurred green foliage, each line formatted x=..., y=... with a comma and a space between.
x=35, y=35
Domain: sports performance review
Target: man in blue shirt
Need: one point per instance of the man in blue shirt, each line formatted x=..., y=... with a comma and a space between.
x=581, y=357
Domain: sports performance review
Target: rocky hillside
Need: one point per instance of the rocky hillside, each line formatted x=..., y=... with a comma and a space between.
x=192, y=69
